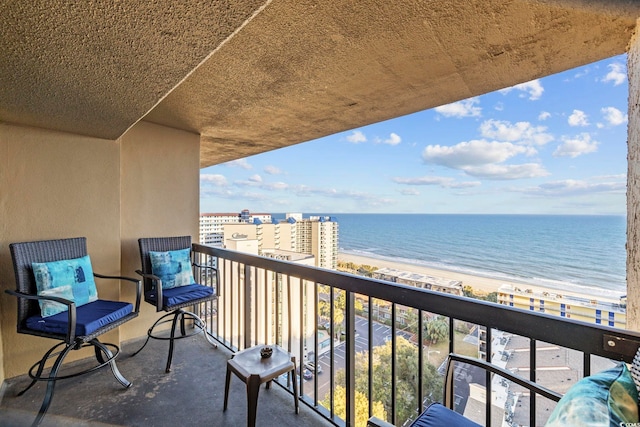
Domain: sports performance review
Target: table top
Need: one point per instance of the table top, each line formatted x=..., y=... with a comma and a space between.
x=249, y=362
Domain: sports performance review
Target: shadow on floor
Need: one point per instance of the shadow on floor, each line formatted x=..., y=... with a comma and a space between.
x=190, y=395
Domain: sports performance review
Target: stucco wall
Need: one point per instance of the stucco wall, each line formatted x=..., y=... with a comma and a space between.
x=57, y=185
x=160, y=196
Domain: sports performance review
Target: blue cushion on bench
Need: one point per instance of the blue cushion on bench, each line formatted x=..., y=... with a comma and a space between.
x=437, y=415
x=181, y=294
x=89, y=318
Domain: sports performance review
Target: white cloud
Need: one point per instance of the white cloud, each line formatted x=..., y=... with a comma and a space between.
x=578, y=118
x=394, y=139
x=472, y=153
x=484, y=159
x=409, y=192
x=617, y=74
x=574, y=147
x=272, y=170
x=533, y=88
x=215, y=179
x=465, y=108
x=255, y=178
x=544, y=115
x=276, y=186
x=613, y=116
x=571, y=187
x=504, y=172
x=521, y=132
x=441, y=181
x=357, y=137
x=240, y=163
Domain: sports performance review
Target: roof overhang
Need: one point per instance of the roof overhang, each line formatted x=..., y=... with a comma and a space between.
x=253, y=76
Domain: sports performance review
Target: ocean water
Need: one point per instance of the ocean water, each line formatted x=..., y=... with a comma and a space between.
x=579, y=253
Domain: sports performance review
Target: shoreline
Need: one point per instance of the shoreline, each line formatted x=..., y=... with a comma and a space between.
x=478, y=283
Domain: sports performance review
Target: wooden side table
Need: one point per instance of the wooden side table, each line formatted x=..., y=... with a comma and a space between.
x=255, y=370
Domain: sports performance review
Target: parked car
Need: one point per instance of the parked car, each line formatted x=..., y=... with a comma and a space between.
x=312, y=367
x=307, y=374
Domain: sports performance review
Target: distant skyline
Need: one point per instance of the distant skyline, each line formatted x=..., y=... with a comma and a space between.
x=556, y=145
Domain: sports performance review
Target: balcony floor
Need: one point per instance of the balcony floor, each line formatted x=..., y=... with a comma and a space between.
x=191, y=394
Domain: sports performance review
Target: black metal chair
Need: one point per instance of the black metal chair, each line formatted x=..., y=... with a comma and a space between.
x=175, y=299
x=75, y=326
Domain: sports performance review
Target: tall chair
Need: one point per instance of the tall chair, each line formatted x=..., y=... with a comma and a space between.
x=57, y=299
x=169, y=285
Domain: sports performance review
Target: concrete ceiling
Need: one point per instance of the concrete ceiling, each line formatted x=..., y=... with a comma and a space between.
x=253, y=75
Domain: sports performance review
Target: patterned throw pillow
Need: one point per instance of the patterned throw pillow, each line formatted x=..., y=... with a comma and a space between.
x=608, y=398
x=172, y=267
x=70, y=278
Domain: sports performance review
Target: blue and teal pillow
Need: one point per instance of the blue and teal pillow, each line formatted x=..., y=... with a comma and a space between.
x=172, y=267
x=70, y=279
x=606, y=399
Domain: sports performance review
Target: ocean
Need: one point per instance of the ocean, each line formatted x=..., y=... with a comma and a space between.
x=583, y=254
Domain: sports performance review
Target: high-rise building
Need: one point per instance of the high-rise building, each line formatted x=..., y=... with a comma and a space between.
x=316, y=235
x=211, y=224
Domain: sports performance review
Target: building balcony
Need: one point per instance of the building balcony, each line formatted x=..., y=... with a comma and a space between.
x=334, y=321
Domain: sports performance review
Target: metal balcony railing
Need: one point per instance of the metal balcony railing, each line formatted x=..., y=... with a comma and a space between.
x=340, y=326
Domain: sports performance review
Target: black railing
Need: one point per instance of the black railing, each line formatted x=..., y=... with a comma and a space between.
x=269, y=301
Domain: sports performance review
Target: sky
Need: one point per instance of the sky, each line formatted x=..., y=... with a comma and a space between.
x=556, y=145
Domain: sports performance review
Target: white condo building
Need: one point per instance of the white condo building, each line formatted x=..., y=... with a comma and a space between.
x=316, y=235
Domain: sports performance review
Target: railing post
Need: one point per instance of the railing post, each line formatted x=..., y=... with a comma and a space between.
x=247, y=305
x=350, y=358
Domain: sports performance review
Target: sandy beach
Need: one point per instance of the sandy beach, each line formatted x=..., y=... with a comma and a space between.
x=479, y=284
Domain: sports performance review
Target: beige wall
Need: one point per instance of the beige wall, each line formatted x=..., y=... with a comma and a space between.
x=57, y=185
x=160, y=195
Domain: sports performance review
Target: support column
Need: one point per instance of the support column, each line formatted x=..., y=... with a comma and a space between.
x=633, y=185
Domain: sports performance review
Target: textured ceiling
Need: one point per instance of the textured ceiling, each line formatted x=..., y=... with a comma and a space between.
x=253, y=76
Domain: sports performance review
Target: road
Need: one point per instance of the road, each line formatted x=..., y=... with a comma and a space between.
x=381, y=334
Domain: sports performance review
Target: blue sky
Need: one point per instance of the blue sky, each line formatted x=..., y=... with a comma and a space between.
x=555, y=145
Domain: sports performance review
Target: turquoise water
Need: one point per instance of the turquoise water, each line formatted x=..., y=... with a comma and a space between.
x=578, y=253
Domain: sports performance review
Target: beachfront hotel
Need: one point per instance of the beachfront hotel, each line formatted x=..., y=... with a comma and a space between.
x=211, y=224
x=594, y=309
x=108, y=111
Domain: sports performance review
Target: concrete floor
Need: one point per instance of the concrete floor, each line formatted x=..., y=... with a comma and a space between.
x=190, y=395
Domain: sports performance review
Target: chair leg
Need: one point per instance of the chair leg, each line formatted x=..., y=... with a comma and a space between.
x=226, y=389
x=103, y=349
x=41, y=365
x=51, y=384
x=173, y=338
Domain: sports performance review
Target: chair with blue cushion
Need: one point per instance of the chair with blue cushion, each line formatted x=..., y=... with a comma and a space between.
x=169, y=285
x=57, y=299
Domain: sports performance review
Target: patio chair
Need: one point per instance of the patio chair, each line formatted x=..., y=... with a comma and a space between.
x=57, y=299
x=169, y=286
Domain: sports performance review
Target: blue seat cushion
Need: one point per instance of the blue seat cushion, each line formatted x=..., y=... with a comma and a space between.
x=437, y=415
x=89, y=318
x=181, y=294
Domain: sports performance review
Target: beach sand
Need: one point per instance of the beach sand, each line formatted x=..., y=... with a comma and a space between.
x=480, y=285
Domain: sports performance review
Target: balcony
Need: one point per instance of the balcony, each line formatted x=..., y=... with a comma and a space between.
x=334, y=321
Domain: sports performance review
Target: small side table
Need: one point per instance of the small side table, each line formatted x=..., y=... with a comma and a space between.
x=255, y=370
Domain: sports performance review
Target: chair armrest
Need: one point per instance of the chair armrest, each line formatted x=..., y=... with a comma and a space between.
x=158, y=287
x=208, y=267
x=377, y=422
x=530, y=385
x=126, y=279
x=71, y=310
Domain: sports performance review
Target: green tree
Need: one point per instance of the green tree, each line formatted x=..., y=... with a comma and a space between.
x=437, y=329
x=361, y=406
x=406, y=378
